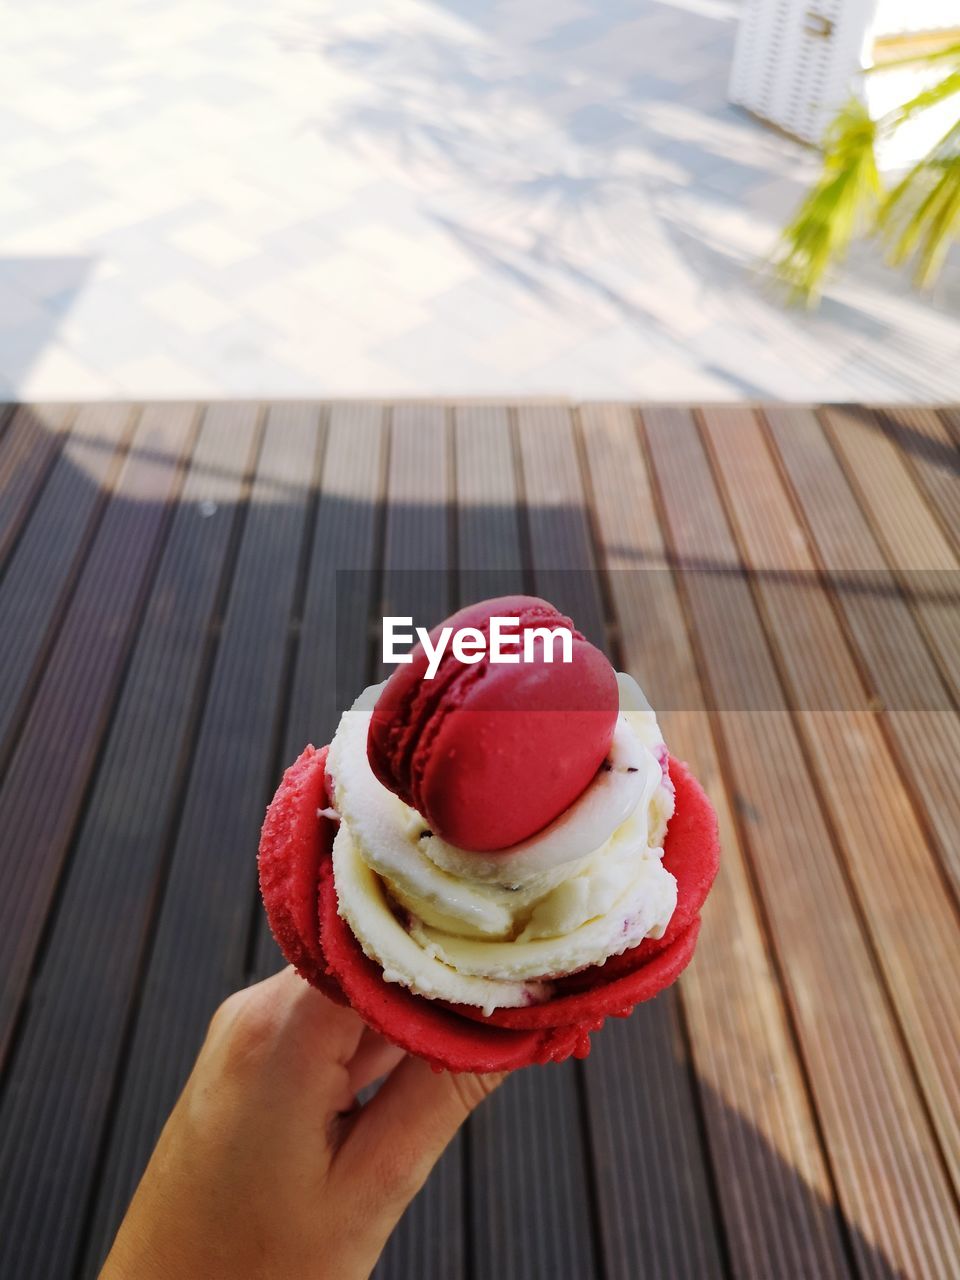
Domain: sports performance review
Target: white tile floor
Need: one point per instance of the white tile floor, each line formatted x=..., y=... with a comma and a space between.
x=402, y=197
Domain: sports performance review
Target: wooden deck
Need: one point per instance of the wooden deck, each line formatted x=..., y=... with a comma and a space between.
x=784, y=584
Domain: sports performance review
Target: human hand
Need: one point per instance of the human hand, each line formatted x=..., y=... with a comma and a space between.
x=268, y=1167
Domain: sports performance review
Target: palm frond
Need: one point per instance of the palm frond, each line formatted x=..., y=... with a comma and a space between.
x=842, y=204
x=931, y=96
x=949, y=53
x=920, y=215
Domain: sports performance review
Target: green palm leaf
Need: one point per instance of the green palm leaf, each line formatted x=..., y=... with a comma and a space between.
x=919, y=218
x=841, y=205
x=921, y=215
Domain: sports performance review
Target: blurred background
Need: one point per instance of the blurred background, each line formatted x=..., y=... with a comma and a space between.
x=444, y=197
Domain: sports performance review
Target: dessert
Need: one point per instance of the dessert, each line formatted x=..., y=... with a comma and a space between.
x=488, y=863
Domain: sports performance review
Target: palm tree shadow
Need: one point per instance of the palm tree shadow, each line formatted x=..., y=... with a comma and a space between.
x=601, y=202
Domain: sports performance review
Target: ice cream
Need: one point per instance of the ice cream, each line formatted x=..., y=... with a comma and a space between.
x=494, y=930
x=390, y=883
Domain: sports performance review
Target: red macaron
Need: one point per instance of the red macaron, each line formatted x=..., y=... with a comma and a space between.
x=490, y=753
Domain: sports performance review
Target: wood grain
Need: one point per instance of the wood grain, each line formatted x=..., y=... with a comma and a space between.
x=417, y=582
x=897, y=880
x=39, y=580
x=331, y=667
x=62, y=1077
x=771, y=1174
x=198, y=948
x=70, y=712
x=912, y=538
x=638, y=1088
x=527, y=1160
x=28, y=446
x=885, y=1162
x=907, y=687
x=187, y=596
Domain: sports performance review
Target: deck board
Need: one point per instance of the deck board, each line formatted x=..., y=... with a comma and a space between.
x=188, y=595
x=340, y=583
x=910, y=533
x=928, y=448
x=28, y=446
x=86, y=985
x=883, y=1155
x=417, y=556
x=70, y=711
x=543, y=1173
x=53, y=547
x=639, y=1069
x=906, y=683
x=198, y=950
x=770, y=1169
x=912, y=923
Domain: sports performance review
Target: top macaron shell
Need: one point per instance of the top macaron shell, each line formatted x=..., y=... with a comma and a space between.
x=487, y=753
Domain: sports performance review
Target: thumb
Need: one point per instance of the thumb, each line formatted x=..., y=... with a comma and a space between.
x=399, y=1135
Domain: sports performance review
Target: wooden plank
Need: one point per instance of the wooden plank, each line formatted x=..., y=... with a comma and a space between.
x=896, y=875
x=891, y=1183
x=332, y=662
x=44, y=786
x=950, y=415
x=489, y=555
x=931, y=453
x=430, y=1239
x=637, y=1078
x=915, y=544
x=27, y=450
x=198, y=951
x=44, y=567
x=558, y=519
x=62, y=1074
x=528, y=1166
x=908, y=687
x=529, y=1192
x=771, y=1174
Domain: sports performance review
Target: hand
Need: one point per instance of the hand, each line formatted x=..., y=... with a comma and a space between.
x=268, y=1167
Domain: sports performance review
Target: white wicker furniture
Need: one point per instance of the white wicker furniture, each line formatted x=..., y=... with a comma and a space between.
x=797, y=61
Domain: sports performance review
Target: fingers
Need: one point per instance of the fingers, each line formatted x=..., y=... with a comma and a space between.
x=284, y=1031
x=374, y=1058
x=399, y=1135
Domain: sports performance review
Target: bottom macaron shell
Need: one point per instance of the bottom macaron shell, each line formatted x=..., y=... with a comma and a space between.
x=293, y=845
x=424, y=1027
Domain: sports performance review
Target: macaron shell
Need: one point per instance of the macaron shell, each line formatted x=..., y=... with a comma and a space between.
x=495, y=778
x=487, y=753
x=294, y=843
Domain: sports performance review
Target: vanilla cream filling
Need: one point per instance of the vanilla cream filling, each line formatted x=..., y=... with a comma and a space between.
x=492, y=930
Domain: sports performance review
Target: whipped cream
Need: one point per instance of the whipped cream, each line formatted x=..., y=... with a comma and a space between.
x=495, y=929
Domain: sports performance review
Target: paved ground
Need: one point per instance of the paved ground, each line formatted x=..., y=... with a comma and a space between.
x=392, y=198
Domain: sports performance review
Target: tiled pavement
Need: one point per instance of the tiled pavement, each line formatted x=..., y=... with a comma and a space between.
x=396, y=197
